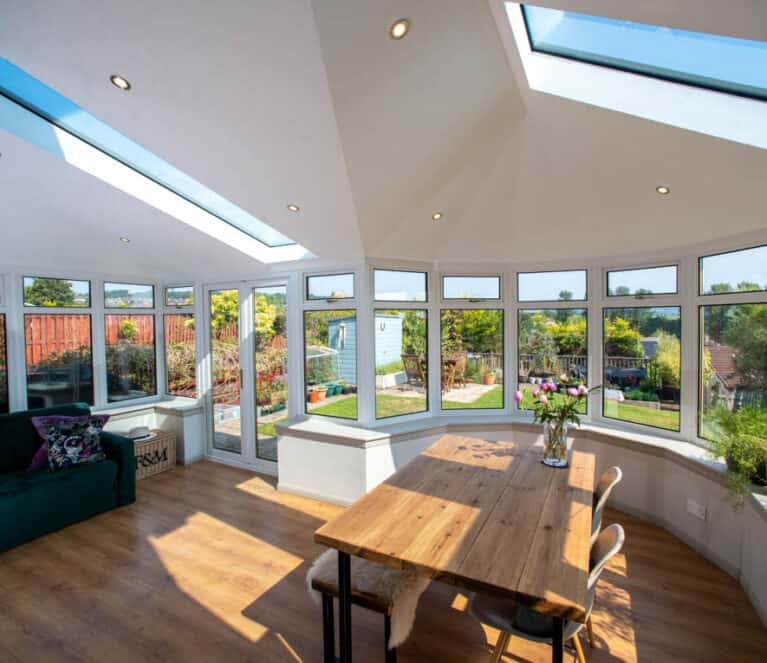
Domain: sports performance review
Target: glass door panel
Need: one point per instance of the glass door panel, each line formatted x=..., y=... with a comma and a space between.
x=225, y=369
x=271, y=365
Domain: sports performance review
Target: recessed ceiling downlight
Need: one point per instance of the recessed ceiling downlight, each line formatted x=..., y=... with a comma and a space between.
x=662, y=190
x=120, y=81
x=293, y=208
x=399, y=28
x=436, y=216
x=125, y=240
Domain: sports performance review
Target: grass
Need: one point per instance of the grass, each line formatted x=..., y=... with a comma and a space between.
x=491, y=399
x=668, y=419
x=386, y=406
x=391, y=367
x=267, y=429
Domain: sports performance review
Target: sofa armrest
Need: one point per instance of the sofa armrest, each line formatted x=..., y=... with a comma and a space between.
x=121, y=450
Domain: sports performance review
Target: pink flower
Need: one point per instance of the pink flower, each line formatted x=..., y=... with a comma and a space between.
x=518, y=396
x=536, y=392
x=543, y=399
x=572, y=391
x=552, y=387
x=582, y=391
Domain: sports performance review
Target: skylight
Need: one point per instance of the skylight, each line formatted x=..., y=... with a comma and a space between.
x=28, y=92
x=715, y=62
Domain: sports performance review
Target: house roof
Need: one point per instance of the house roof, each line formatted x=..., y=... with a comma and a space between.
x=723, y=364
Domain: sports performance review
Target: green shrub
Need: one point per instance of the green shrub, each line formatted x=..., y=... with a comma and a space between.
x=639, y=395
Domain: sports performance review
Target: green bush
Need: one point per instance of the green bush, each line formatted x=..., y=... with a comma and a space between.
x=391, y=367
x=639, y=395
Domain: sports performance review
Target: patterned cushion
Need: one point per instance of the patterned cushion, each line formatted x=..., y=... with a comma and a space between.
x=71, y=440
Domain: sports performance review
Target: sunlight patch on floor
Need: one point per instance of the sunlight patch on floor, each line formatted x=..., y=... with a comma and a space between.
x=223, y=568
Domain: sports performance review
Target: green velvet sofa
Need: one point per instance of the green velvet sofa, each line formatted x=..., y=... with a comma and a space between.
x=36, y=503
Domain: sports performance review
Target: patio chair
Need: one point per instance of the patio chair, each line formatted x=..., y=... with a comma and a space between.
x=460, y=368
x=448, y=375
x=414, y=369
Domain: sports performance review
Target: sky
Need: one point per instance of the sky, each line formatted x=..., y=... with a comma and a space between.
x=658, y=279
x=725, y=62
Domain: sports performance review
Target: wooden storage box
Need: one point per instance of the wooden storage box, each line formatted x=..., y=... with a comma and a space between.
x=155, y=454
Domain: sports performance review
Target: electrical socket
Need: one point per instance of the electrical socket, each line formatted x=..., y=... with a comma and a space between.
x=695, y=509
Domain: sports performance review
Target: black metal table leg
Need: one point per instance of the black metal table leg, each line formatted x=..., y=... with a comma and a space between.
x=345, y=607
x=558, y=643
x=328, y=630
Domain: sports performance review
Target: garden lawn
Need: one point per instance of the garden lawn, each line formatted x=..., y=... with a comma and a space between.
x=386, y=406
x=267, y=429
x=668, y=419
x=492, y=399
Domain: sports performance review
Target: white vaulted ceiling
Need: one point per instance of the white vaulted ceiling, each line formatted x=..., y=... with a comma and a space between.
x=287, y=101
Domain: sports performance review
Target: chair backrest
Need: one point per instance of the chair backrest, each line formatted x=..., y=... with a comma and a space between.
x=609, y=479
x=608, y=544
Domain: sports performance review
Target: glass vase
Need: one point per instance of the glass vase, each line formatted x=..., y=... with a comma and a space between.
x=555, y=444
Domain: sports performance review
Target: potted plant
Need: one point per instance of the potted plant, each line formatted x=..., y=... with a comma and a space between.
x=313, y=395
x=556, y=411
x=742, y=441
x=322, y=391
x=488, y=377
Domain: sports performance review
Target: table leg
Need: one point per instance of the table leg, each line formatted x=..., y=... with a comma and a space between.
x=345, y=606
x=558, y=643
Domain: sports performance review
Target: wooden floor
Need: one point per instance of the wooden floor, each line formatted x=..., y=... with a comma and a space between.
x=209, y=565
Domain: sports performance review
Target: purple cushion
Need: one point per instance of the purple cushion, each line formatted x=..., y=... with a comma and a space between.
x=69, y=441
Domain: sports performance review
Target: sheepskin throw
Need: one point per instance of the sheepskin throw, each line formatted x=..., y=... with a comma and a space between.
x=400, y=589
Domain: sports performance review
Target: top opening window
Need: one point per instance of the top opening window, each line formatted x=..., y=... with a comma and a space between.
x=330, y=287
x=569, y=286
x=715, y=62
x=56, y=293
x=128, y=295
x=398, y=286
x=177, y=296
x=644, y=281
x=735, y=271
x=471, y=288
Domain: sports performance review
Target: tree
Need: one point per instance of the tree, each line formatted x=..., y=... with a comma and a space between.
x=413, y=333
x=667, y=360
x=721, y=288
x=621, y=339
x=224, y=311
x=570, y=335
x=264, y=317
x=748, y=286
x=565, y=295
x=49, y=292
x=746, y=331
x=481, y=330
x=622, y=291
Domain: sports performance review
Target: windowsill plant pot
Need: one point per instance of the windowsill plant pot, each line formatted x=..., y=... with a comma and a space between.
x=313, y=396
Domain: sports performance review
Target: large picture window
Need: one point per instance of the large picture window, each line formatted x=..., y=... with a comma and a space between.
x=733, y=368
x=401, y=359
x=642, y=365
x=58, y=357
x=552, y=342
x=3, y=368
x=131, y=357
x=180, y=354
x=330, y=362
x=471, y=342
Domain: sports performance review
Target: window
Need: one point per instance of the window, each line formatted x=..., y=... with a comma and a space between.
x=330, y=363
x=733, y=370
x=471, y=287
x=331, y=286
x=180, y=355
x=59, y=362
x=127, y=295
x=552, y=286
x=398, y=286
x=225, y=369
x=131, y=357
x=736, y=271
x=471, y=342
x=271, y=337
x=645, y=281
x=55, y=109
x=552, y=342
x=642, y=365
x=401, y=358
x=716, y=62
x=3, y=367
x=59, y=293
x=179, y=296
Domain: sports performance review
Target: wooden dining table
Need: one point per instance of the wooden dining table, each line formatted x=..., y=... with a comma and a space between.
x=484, y=516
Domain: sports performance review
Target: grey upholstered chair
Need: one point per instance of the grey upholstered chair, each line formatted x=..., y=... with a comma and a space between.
x=609, y=479
x=513, y=619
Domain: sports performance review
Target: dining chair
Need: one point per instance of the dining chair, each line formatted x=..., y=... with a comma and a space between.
x=511, y=618
x=610, y=478
x=389, y=592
